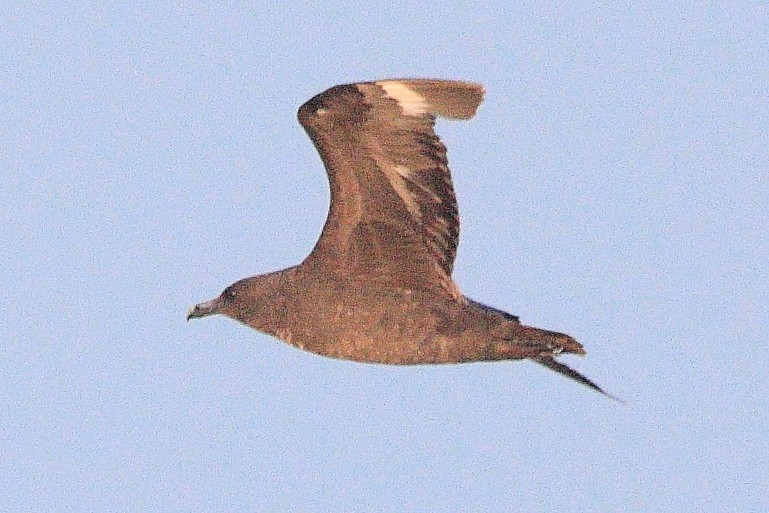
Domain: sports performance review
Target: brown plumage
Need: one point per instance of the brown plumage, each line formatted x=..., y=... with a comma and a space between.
x=377, y=286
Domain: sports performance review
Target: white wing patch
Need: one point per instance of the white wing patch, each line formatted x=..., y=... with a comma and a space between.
x=410, y=102
x=397, y=176
x=403, y=171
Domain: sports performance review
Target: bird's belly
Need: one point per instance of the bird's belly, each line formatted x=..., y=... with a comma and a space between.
x=398, y=333
x=393, y=331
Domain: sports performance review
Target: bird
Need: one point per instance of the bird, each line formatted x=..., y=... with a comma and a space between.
x=377, y=287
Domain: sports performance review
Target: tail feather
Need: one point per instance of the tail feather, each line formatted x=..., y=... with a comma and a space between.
x=567, y=371
x=539, y=341
x=526, y=342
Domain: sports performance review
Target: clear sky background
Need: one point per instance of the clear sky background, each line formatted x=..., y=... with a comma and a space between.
x=614, y=186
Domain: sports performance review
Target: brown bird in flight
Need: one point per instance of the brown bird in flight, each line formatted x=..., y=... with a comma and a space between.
x=377, y=287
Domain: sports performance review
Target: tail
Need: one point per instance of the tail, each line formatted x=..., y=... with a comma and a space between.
x=522, y=341
x=543, y=346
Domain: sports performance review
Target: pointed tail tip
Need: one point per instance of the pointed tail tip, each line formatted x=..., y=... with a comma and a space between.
x=552, y=364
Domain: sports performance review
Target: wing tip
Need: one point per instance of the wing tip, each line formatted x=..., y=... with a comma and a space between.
x=452, y=99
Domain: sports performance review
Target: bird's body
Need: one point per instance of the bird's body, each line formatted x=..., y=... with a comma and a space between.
x=377, y=287
x=301, y=306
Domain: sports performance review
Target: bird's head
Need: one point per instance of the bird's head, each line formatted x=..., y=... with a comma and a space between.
x=231, y=302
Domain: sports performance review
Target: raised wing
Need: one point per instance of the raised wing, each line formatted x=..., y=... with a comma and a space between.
x=393, y=208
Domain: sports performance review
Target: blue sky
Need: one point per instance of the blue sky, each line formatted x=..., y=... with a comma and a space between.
x=614, y=186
